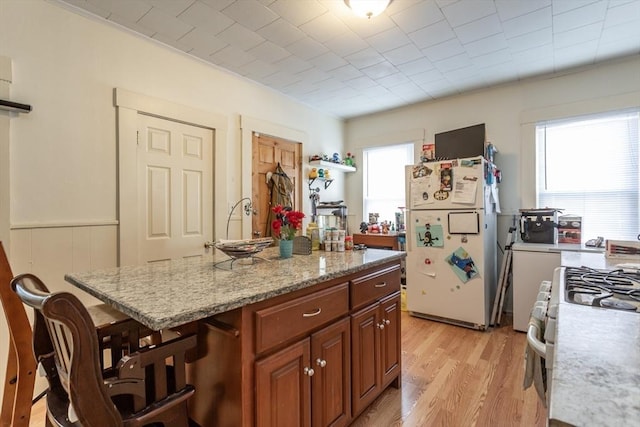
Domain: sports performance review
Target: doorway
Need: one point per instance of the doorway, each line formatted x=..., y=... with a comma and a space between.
x=267, y=152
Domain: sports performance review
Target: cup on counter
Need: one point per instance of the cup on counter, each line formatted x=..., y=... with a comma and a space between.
x=341, y=235
x=327, y=245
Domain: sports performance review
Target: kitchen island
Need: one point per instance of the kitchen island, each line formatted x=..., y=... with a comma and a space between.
x=307, y=340
x=596, y=366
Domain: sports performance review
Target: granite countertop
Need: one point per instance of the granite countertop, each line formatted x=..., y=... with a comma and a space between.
x=173, y=293
x=596, y=370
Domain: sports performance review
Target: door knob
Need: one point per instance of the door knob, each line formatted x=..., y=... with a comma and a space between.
x=320, y=362
x=387, y=322
x=309, y=371
x=209, y=245
x=257, y=233
x=380, y=326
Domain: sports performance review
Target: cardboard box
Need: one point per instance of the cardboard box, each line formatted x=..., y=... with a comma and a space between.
x=570, y=229
x=626, y=249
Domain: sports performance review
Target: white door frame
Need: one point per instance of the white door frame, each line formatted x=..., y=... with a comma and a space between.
x=128, y=105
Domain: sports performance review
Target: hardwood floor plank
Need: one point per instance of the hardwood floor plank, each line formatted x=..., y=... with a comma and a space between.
x=451, y=376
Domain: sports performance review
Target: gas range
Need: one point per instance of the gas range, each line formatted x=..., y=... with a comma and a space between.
x=615, y=289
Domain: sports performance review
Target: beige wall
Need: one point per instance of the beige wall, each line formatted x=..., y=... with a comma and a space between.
x=509, y=113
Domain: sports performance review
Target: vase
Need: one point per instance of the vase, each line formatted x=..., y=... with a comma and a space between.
x=286, y=248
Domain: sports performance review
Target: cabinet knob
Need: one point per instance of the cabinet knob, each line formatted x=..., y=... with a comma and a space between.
x=381, y=325
x=387, y=322
x=309, y=371
x=320, y=362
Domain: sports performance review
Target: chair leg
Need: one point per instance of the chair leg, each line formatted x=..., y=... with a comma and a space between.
x=18, y=390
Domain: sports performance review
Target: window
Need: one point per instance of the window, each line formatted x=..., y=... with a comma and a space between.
x=383, y=180
x=588, y=166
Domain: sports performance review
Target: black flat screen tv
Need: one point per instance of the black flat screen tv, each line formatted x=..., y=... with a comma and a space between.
x=460, y=143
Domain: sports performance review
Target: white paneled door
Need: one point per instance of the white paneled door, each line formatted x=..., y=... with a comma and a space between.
x=175, y=189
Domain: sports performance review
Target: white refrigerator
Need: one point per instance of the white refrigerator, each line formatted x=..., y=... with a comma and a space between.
x=451, y=241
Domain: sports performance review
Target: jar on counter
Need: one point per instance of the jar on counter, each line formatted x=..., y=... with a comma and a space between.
x=348, y=243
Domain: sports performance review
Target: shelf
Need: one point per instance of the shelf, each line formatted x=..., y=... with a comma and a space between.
x=331, y=165
x=327, y=182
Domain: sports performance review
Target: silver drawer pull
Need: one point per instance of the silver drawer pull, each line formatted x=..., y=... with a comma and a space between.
x=380, y=285
x=315, y=313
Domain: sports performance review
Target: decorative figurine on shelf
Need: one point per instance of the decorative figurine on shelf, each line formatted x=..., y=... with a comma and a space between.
x=315, y=157
x=326, y=174
x=385, y=227
x=364, y=227
x=335, y=158
x=325, y=157
x=313, y=173
x=348, y=160
x=320, y=173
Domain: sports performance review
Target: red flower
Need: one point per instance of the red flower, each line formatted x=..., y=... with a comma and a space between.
x=287, y=222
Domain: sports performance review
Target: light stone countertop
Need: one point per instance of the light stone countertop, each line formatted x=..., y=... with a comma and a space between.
x=596, y=370
x=173, y=293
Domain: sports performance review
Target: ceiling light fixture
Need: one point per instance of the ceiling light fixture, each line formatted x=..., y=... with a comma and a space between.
x=367, y=8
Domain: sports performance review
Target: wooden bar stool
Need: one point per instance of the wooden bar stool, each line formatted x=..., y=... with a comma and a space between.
x=142, y=389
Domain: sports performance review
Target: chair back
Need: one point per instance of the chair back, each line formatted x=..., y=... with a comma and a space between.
x=19, y=377
x=139, y=390
x=66, y=343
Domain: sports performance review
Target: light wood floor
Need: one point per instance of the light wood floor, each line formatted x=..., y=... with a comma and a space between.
x=451, y=376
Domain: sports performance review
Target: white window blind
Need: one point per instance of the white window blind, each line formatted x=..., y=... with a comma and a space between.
x=588, y=166
x=383, y=180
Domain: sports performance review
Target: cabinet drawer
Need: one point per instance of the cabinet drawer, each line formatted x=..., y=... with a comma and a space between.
x=376, y=285
x=282, y=322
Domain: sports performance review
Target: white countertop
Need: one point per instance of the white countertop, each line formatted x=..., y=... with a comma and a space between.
x=596, y=370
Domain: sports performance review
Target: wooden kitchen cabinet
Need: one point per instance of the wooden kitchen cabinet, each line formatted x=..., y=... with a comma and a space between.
x=307, y=383
x=375, y=361
x=314, y=357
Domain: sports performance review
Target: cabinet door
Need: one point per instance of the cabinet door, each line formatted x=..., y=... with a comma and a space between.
x=365, y=360
x=331, y=383
x=390, y=354
x=283, y=387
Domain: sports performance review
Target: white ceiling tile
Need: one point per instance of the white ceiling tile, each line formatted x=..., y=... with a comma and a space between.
x=134, y=26
x=479, y=29
x=324, y=27
x=393, y=80
x=428, y=76
x=363, y=82
x=379, y=70
x=314, y=75
x=619, y=33
x=364, y=58
x=293, y=64
x=432, y=35
x=577, y=35
x=307, y=48
x=257, y=69
x=490, y=59
x=202, y=41
x=346, y=44
x=460, y=13
x=388, y=40
x=415, y=67
x=444, y=50
x=585, y=15
x=281, y=33
x=509, y=9
x=622, y=13
x=620, y=48
x=531, y=40
x=298, y=12
x=269, y=52
x=176, y=44
x=576, y=55
x=131, y=10
x=562, y=6
x=165, y=24
x=528, y=23
x=328, y=61
x=250, y=14
x=208, y=19
x=172, y=7
x=232, y=56
x=540, y=53
x=217, y=4
x=453, y=63
x=92, y=8
x=417, y=16
x=346, y=72
x=403, y=54
x=486, y=45
x=369, y=27
x=238, y=36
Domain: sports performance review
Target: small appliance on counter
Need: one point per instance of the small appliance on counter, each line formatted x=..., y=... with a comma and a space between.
x=539, y=225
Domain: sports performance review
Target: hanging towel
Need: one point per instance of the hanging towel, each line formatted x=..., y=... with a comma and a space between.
x=534, y=365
